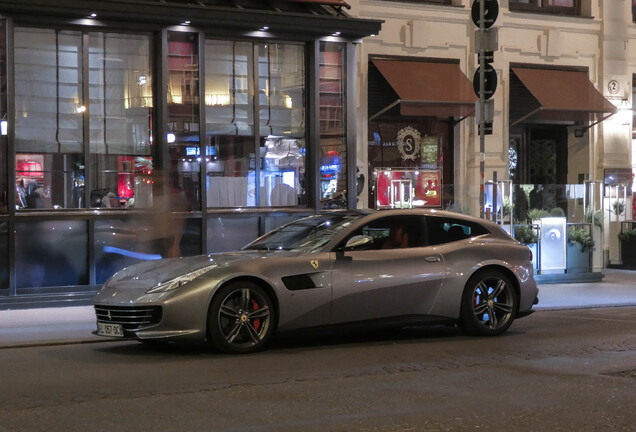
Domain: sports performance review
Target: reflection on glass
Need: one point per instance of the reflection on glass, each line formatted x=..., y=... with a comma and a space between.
x=3, y=116
x=333, y=139
x=4, y=255
x=229, y=108
x=120, y=86
x=242, y=171
x=183, y=116
x=225, y=234
x=120, y=243
x=49, y=118
x=51, y=253
x=281, y=95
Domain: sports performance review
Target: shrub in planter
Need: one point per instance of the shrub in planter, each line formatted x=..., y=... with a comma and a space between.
x=580, y=244
x=582, y=238
x=595, y=217
x=557, y=212
x=524, y=234
x=536, y=214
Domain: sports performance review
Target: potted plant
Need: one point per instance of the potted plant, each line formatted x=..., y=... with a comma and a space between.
x=618, y=207
x=595, y=217
x=535, y=214
x=627, y=240
x=580, y=245
x=556, y=212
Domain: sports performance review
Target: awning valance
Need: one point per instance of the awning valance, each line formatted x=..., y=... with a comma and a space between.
x=561, y=95
x=428, y=88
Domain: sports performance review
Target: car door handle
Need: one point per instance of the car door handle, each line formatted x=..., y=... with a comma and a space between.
x=432, y=259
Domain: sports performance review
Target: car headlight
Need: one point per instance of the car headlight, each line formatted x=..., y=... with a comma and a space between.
x=179, y=281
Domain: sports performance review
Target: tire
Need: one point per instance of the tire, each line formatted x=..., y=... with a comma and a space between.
x=240, y=318
x=489, y=304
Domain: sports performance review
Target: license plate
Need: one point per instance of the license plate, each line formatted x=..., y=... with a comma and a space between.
x=114, y=330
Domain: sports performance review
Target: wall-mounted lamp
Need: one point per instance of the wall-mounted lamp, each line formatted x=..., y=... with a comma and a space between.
x=625, y=112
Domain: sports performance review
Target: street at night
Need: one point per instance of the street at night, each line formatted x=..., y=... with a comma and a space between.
x=556, y=370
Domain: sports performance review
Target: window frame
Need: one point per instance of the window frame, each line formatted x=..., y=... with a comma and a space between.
x=541, y=6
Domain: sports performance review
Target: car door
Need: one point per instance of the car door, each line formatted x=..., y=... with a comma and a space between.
x=379, y=282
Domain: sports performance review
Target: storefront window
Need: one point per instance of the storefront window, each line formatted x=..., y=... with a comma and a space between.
x=229, y=108
x=242, y=171
x=183, y=120
x=408, y=163
x=3, y=117
x=281, y=90
x=333, y=139
x=49, y=118
x=120, y=88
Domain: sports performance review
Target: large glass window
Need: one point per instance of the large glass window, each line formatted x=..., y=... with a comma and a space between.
x=183, y=120
x=243, y=171
x=3, y=117
x=333, y=138
x=281, y=94
x=49, y=118
x=51, y=253
x=120, y=89
x=560, y=7
x=229, y=107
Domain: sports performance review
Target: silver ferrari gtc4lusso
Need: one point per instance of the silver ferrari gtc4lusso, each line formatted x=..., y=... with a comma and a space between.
x=390, y=267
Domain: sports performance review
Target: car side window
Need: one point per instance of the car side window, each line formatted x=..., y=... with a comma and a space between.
x=445, y=230
x=394, y=232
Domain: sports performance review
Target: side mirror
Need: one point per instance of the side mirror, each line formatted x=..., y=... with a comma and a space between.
x=359, y=241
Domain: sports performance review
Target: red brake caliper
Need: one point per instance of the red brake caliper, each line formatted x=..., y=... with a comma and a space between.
x=257, y=322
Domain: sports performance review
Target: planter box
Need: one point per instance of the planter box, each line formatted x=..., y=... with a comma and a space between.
x=535, y=255
x=628, y=254
x=578, y=261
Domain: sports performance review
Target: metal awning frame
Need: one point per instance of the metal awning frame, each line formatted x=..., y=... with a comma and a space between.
x=399, y=101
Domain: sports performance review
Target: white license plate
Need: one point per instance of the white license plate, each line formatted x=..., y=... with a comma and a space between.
x=114, y=330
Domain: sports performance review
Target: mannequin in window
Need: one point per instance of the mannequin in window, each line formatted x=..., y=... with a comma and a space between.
x=398, y=238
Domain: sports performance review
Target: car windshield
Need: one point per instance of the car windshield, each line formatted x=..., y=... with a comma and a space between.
x=305, y=234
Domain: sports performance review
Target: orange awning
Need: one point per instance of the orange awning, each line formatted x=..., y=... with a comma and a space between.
x=563, y=96
x=428, y=88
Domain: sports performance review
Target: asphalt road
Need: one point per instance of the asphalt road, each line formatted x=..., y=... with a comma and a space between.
x=572, y=370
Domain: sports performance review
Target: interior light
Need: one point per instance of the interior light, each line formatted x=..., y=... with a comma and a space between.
x=3, y=127
x=171, y=138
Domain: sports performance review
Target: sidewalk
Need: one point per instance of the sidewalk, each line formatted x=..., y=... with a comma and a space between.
x=51, y=326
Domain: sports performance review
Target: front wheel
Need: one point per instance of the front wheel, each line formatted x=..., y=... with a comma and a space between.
x=488, y=304
x=240, y=319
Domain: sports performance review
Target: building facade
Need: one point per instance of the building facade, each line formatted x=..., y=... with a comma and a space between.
x=562, y=122
x=133, y=130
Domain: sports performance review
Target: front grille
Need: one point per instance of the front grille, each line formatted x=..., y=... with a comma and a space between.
x=130, y=317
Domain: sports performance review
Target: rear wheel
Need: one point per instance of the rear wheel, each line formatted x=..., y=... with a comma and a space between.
x=240, y=318
x=488, y=304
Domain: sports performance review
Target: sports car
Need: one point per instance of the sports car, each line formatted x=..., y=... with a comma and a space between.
x=388, y=267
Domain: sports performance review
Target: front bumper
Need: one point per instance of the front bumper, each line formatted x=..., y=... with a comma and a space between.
x=177, y=315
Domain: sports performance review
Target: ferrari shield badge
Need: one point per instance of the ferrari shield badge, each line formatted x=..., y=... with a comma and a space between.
x=315, y=264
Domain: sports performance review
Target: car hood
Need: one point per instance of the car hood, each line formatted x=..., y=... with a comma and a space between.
x=153, y=273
